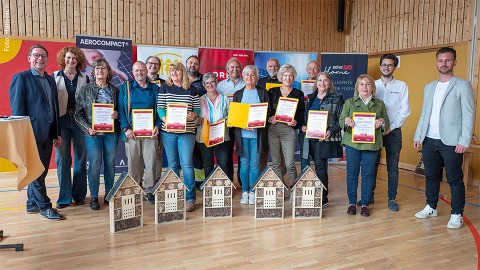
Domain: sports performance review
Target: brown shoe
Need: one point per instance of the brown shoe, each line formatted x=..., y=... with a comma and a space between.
x=364, y=212
x=190, y=206
x=352, y=210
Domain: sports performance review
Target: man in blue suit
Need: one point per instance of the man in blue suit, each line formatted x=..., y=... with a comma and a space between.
x=445, y=130
x=33, y=93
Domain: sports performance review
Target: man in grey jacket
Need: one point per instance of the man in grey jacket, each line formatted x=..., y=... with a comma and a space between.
x=445, y=130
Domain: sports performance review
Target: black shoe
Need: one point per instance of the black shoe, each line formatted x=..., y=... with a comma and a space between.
x=62, y=205
x=94, y=204
x=150, y=198
x=32, y=209
x=79, y=202
x=51, y=213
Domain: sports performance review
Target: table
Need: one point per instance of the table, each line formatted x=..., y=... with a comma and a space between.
x=18, y=145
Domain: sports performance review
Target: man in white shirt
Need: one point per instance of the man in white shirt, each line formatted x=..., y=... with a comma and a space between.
x=227, y=87
x=395, y=95
x=233, y=82
x=445, y=130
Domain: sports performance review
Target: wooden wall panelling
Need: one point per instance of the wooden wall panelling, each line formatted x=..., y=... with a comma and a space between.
x=137, y=10
x=42, y=15
x=453, y=19
x=240, y=23
x=436, y=21
x=96, y=17
x=181, y=22
x=56, y=22
x=404, y=22
x=448, y=20
x=28, y=18
x=13, y=17
x=21, y=17
x=441, y=25
x=460, y=22
x=4, y=29
x=61, y=16
x=103, y=31
x=397, y=31
x=114, y=24
x=176, y=22
x=160, y=22
x=468, y=17
x=70, y=28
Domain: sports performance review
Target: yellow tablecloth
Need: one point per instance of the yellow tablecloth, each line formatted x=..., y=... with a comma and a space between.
x=17, y=144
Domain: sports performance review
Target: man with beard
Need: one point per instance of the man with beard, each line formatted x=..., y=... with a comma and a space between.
x=444, y=130
x=272, y=68
x=395, y=95
x=193, y=66
x=141, y=151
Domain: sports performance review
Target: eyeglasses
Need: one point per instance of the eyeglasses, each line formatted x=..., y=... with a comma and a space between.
x=100, y=68
x=36, y=56
x=211, y=83
x=387, y=65
x=151, y=63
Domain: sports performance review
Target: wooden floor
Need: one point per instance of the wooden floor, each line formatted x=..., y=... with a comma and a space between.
x=385, y=240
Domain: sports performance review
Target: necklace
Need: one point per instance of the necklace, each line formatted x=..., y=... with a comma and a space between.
x=285, y=91
x=212, y=99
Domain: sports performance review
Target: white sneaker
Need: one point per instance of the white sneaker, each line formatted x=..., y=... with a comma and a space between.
x=251, y=198
x=426, y=212
x=455, y=222
x=244, y=199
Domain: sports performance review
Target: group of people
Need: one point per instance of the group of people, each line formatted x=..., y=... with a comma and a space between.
x=64, y=101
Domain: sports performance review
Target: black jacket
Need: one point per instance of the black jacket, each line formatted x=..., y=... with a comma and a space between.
x=275, y=94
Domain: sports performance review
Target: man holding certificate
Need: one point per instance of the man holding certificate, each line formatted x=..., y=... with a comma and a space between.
x=288, y=105
x=178, y=108
x=323, y=133
x=96, y=114
x=139, y=123
x=364, y=118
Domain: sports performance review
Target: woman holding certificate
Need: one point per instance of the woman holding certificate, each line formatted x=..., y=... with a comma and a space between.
x=96, y=114
x=213, y=112
x=288, y=105
x=69, y=80
x=364, y=118
x=178, y=107
x=251, y=142
x=323, y=133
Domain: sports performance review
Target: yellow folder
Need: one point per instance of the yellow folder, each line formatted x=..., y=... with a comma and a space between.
x=238, y=114
x=272, y=85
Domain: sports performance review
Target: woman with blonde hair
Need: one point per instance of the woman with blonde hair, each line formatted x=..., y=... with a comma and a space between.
x=362, y=155
x=179, y=145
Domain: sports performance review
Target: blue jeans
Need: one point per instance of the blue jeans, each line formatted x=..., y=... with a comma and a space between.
x=71, y=133
x=249, y=164
x=220, y=152
x=366, y=160
x=393, y=145
x=101, y=147
x=179, y=149
x=432, y=152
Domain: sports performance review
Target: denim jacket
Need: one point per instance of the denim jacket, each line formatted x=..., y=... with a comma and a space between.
x=83, y=108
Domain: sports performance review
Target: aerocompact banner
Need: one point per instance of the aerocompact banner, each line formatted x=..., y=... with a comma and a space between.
x=117, y=52
x=298, y=60
x=215, y=60
x=167, y=55
x=345, y=69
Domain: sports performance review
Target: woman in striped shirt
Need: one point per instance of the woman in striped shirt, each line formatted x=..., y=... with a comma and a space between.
x=179, y=145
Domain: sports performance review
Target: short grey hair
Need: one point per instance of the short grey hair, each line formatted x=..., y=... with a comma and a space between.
x=250, y=68
x=286, y=68
x=233, y=59
x=156, y=57
x=209, y=75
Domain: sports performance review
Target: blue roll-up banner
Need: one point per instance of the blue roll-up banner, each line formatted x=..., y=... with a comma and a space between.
x=344, y=69
x=118, y=53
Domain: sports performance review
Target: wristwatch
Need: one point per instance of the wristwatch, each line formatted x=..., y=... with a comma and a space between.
x=125, y=129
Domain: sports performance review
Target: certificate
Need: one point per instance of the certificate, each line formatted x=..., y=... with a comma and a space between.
x=257, y=115
x=176, y=118
x=230, y=97
x=286, y=109
x=102, y=117
x=317, y=124
x=142, y=122
x=307, y=86
x=364, y=128
x=213, y=133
